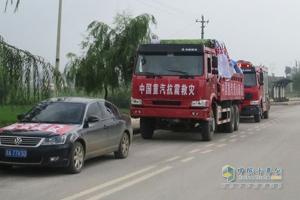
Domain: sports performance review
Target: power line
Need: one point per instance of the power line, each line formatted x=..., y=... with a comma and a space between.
x=203, y=25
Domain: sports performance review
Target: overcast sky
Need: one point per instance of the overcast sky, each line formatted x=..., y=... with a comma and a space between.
x=262, y=31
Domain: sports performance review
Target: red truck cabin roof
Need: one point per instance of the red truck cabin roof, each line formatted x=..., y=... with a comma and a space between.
x=187, y=49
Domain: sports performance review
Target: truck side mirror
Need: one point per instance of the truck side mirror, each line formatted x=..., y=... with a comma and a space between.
x=215, y=65
x=215, y=62
x=261, y=78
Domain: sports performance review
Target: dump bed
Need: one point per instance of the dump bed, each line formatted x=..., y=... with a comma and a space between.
x=231, y=89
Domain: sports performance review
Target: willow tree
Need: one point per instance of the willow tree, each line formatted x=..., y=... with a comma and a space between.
x=108, y=52
x=24, y=77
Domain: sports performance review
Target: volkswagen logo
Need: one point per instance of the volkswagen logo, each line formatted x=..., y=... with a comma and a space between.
x=18, y=141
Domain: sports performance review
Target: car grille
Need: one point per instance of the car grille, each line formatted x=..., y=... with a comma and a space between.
x=20, y=141
x=248, y=96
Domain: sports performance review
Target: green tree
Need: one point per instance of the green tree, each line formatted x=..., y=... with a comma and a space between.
x=109, y=51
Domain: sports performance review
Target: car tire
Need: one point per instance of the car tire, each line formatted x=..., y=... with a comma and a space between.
x=147, y=126
x=76, y=158
x=124, y=146
x=229, y=127
x=266, y=114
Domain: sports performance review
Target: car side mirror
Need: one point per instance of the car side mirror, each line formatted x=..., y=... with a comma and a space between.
x=93, y=119
x=20, y=117
x=261, y=78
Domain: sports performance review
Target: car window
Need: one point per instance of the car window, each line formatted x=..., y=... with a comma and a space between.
x=106, y=113
x=113, y=109
x=94, y=110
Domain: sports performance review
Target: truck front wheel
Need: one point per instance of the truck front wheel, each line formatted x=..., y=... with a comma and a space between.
x=229, y=127
x=208, y=128
x=147, y=126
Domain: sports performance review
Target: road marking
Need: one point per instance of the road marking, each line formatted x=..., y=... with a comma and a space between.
x=251, y=133
x=188, y=159
x=130, y=183
x=107, y=184
x=209, y=145
x=195, y=151
x=249, y=129
x=207, y=151
x=243, y=136
x=221, y=145
x=172, y=159
x=233, y=136
x=233, y=140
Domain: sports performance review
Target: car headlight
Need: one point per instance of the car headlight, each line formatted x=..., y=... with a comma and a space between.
x=254, y=103
x=55, y=140
x=136, y=102
x=200, y=104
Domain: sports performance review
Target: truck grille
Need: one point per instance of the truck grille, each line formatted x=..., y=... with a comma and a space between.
x=248, y=96
x=20, y=141
x=166, y=103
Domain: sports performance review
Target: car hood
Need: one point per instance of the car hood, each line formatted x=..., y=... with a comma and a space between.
x=39, y=129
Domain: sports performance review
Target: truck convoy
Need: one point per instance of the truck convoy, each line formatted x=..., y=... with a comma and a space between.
x=186, y=84
x=256, y=102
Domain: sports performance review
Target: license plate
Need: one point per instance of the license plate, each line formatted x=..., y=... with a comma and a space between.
x=15, y=153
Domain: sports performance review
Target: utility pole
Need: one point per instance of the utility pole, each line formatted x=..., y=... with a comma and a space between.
x=57, y=60
x=203, y=25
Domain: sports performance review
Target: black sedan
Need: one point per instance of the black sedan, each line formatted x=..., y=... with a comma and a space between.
x=64, y=132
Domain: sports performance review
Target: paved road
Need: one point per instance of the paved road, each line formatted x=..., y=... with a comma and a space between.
x=174, y=166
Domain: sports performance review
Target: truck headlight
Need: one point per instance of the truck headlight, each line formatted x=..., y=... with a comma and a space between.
x=254, y=103
x=55, y=140
x=136, y=102
x=200, y=104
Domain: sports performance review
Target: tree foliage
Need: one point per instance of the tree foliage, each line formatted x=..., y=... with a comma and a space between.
x=14, y=3
x=24, y=78
x=108, y=55
x=296, y=81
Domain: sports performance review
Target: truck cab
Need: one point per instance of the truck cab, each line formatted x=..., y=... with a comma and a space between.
x=256, y=103
x=177, y=85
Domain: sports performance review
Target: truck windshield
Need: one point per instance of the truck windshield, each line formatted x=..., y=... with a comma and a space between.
x=250, y=79
x=188, y=65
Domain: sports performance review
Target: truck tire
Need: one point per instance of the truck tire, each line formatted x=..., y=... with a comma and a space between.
x=229, y=127
x=208, y=128
x=237, y=118
x=266, y=114
x=147, y=126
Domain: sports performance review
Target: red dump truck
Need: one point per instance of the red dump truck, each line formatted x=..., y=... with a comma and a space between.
x=180, y=85
x=257, y=101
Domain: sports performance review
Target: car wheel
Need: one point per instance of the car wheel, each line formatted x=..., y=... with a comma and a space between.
x=76, y=158
x=123, y=147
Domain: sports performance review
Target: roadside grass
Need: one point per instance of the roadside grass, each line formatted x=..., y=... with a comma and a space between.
x=8, y=114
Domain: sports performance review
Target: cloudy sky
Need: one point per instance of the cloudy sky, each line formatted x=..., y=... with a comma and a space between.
x=262, y=31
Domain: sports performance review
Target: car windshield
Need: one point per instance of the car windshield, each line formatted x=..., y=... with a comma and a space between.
x=250, y=79
x=169, y=65
x=56, y=112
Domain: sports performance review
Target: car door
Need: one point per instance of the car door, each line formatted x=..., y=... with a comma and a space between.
x=112, y=123
x=95, y=133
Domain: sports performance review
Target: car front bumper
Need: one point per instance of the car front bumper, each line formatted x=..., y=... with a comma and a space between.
x=52, y=156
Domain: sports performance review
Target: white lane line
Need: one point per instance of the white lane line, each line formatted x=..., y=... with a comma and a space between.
x=221, y=145
x=233, y=136
x=194, y=150
x=233, y=140
x=188, y=159
x=172, y=159
x=130, y=183
x=107, y=184
x=209, y=145
x=207, y=151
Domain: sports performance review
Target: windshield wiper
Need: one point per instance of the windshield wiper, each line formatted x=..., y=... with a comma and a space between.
x=183, y=73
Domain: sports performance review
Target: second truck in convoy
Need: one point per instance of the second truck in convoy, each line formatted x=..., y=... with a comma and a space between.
x=181, y=85
x=257, y=101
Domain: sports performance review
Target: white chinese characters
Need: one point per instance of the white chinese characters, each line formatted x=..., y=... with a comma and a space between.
x=167, y=89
